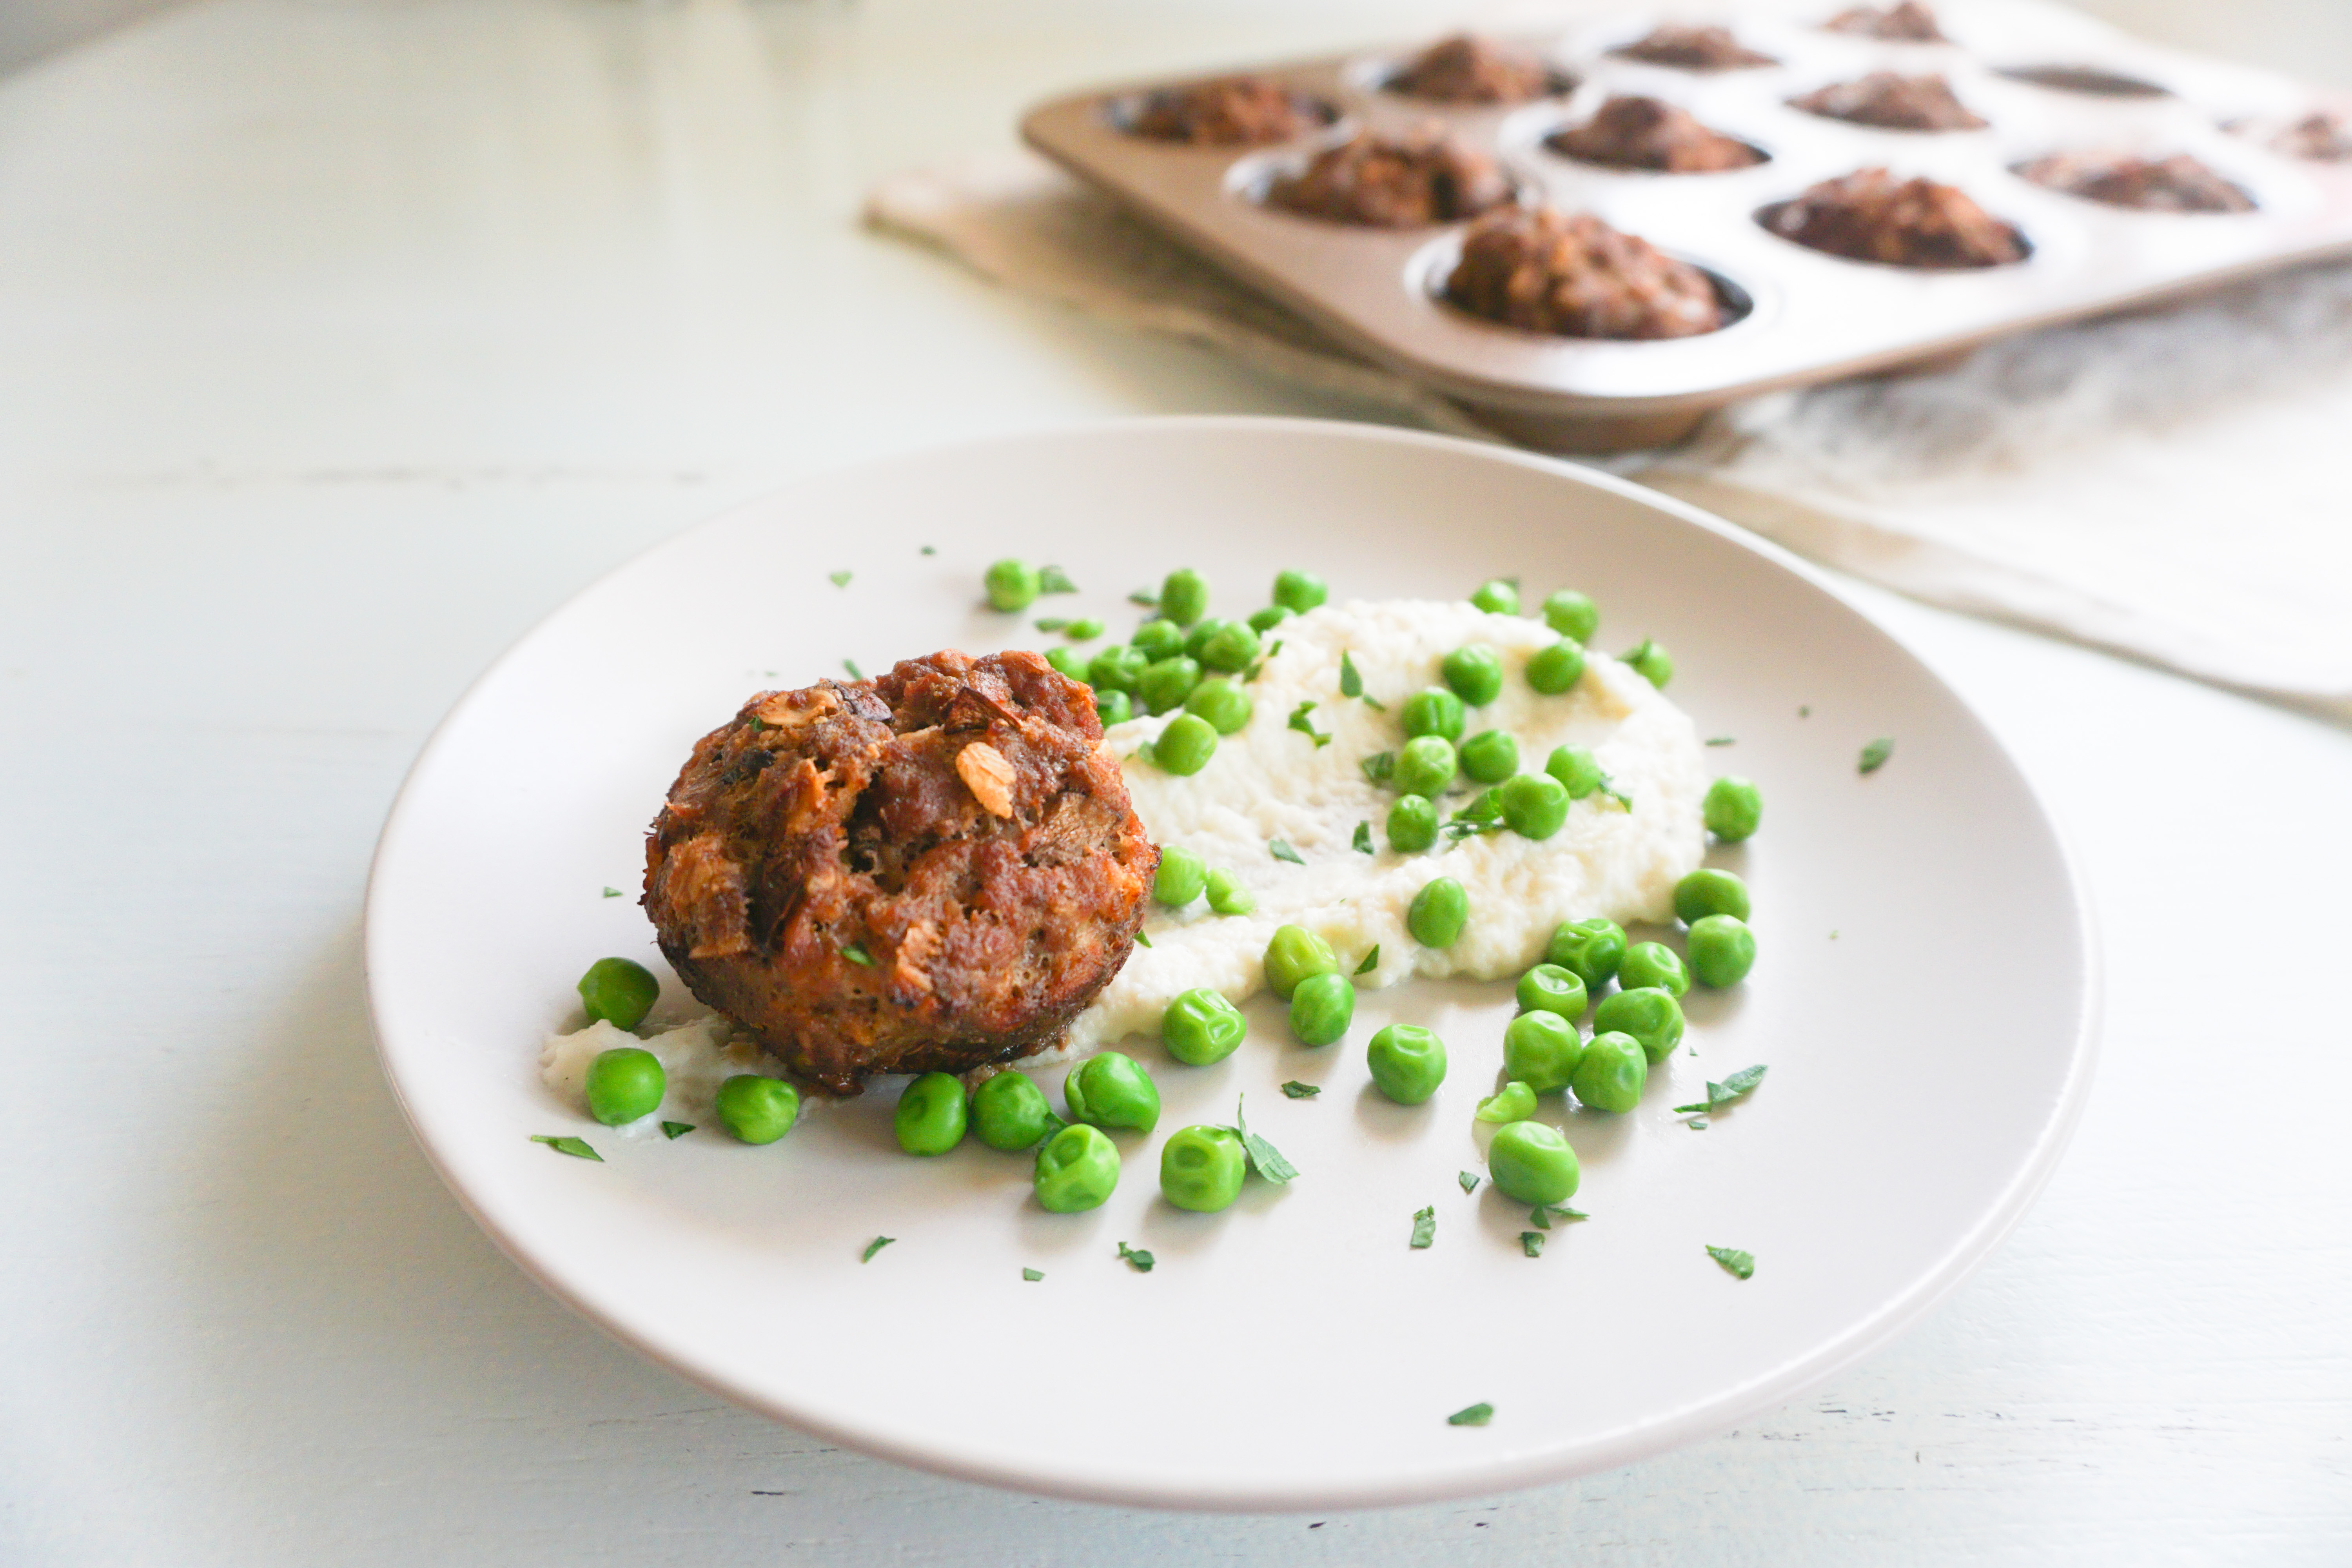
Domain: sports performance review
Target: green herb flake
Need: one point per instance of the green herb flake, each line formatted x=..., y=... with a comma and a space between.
x=1350, y=683
x=1362, y=842
x=1371, y=960
x=1297, y=1090
x=1424, y=1226
x=575, y=1147
x=612, y=892
x=1531, y=1243
x=929, y=549
x=1380, y=767
x=1142, y=940
x=840, y=579
x=1469, y=1180
x=1281, y=851
x=677, y=1129
x=1052, y=623
x=854, y=673
x=1721, y=740
x=1718, y=1095
x=857, y=954
x=1084, y=628
x=1263, y=1157
x=875, y=1245
x=1735, y=1262
x=1874, y=755
x=1032, y=1275
x=1804, y=712
x=1139, y=1261
x=1146, y=597
x=1476, y=1415
x=1306, y=726
x=1698, y=1124
x=1054, y=580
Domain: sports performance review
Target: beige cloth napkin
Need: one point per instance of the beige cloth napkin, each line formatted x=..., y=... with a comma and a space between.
x=2175, y=485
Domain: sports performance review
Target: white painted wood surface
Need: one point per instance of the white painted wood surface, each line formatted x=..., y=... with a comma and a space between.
x=341, y=339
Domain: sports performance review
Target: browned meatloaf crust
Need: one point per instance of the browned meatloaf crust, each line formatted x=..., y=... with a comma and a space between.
x=2322, y=135
x=1570, y=274
x=1906, y=23
x=1466, y=69
x=1693, y=49
x=931, y=870
x=1870, y=216
x=1892, y=102
x=1233, y=111
x=1421, y=176
x=2176, y=184
x=1646, y=133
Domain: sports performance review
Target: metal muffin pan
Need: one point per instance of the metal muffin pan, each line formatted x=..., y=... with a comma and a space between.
x=1809, y=317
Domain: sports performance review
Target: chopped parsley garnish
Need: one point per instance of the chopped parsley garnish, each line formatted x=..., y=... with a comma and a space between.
x=1734, y=1261
x=1032, y=1275
x=1804, y=712
x=575, y=1147
x=1531, y=1243
x=1476, y=1415
x=1542, y=1213
x=1263, y=1157
x=1351, y=684
x=1362, y=842
x=928, y=550
x=1469, y=1180
x=854, y=673
x=677, y=1129
x=1721, y=740
x=1371, y=960
x=1698, y=1123
x=875, y=1245
x=1139, y=1261
x=840, y=579
x=1483, y=814
x=1874, y=755
x=1052, y=623
x=1297, y=1090
x=1306, y=726
x=1722, y=1094
x=1146, y=597
x=1380, y=767
x=857, y=954
x=612, y=892
x=1054, y=580
x=1424, y=1226
x=1141, y=940
x=1281, y=851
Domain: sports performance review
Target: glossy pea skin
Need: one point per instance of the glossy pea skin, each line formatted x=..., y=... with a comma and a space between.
x=1438, y=912
x=1076, y=1169
x=1228, y=897
x=1549, y=988
x=1649, y=1015
x=625, y=1083
x=1497, y=596
x=1201, y=1028
x=1654, y=964
x=1541, y=1051
x=1299, y=592
x=1010, y=1114
x=1224, y=705
x=1185, y=747
x=1554, y=670
x=1474, y=674
x=1722, y=950
x=758, y=1108
x=1412, y=824
x=1591, y=950
x=1116, y=668
x=1708, y=891
x=1533, y=1163
x=1231, y=647
x=1321, y=1008
x=1113, y=708
x=1652, y=663
x=1012, y=585
x=1111, y=1090
x=1407, y=1062
x=1578, y=770
x=1165, y=683
x=1611, y=1076
x=932, y=1114
x=1181, y=878
x=1265, y=620
x=618, y=992
x=1733, y=809
x=1202, y=1168
x=1157, y=639
x=1425, y=766
x=1197, y=635
x=1184, y=597
x=1490, y=756
x=1571, y=615
x=1292, y=955
x=1535, y=806
x=1070, y=662
x=1433, y=711
x=1514, y=1102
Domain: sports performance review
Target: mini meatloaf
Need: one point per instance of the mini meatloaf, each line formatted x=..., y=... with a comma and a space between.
x=2176, y=184
x=1466, y=69
x=1571, y=275
x=1421, y=176
x=1906, y=23
x=1871, y=216
x=1892, y=102
x=2325, y=136
x=932, y=871
x=1649, y=133
x=1694, y=50
x=1233, y=111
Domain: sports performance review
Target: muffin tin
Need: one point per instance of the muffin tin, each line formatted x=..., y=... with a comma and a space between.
x=1803, y=317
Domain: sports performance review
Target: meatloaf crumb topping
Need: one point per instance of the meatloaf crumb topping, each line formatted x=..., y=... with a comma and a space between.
x=1467, y=70
x=1892, y=102
x=1649, y=133
x=2324, y=135
x=1570, y=274
x=2179, y=183
x=1908, y=21
x=1420, y=176
x=1870, y=216
x=1693, y=49
x=1233, y=111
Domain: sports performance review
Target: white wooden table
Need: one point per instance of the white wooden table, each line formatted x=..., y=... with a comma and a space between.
x=341, y=340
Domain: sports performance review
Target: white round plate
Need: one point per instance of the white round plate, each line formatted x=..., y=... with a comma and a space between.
x=1923, y=998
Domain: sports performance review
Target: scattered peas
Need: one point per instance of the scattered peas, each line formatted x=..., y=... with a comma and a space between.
x=1224, y=705
x=1412, y=824
x=1070, y=662
x=1733, y=809
x=1427, y=766
x=625, y=1083
x=1591, y=950
x=1321, y=1008
x=618, y=992
x=1612, y=1073
x=1474, y=673
x=1265, y=620
x=758, y=1108
x=1012, y=584
x=1533, y=1163
x=1111, y=1090
x=1299, y=592
x=1202, y=1168
x=1438, y=913
x=1158, y=640
x=1535, y=806
x=932, y=1114
x=1497, y=596
x=1550, y=988
x=1648, y=964
x=1076, y=1170
x=1722, y=950
x=1433, y=710
x=1197, y=636
x=1116, y=668
x=1571, y=615
x=1708, y=891
x=1407, y=1062
x=1165, y=683
x=1490, y=756
x=1182, y=875
x=1554, y=670
x=1201, y=1028
x=1113, y=708
x=1651, y=662
x=1086, y=628
x=1292, y=955
x=1514, y=1102
x=1010, y=1114
x=1227, y=897
x=1650, y=1015
x=1231, y=647
x=1540, y=1049
x=1578, y=770
x=1184, y=597
x=1186, y=745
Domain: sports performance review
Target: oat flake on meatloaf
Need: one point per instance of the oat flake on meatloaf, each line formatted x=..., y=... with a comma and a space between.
x=955, y=824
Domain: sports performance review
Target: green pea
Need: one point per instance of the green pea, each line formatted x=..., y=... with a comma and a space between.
x=1554, y=670
x=1732, y=808
x=1533, y=1163
x=1184, y=597
x=1113, y=708
x=932, y=1114
x=1292, y=955
x=758, y=1108
x=1549, y=988
x=1433, y=710
x=1722, y=950
x=1012, y=584
x=1577, y=771
x=1111, y=1090
x=1158, y=640
x=1265, y=620
x=1321, y=1008
x=1612, y=1073
x=1182, y=876
x=1535, y=806
x=1186, y=745
x=1224, y=705
x=1514, y=1102
x=1166, y=683
x=1647, y=1014
x=1497, y=596
x=1201, y=1028
x=1490, y=756
x=1654, y=964
x=1069, y=661
x=625, y=1083
x=1412, y=824
x=1474, y=673
x=1086, y=628
x=1299, y=592
x=1438, y=913
x=1228, y=897
x=1197, y=636
x=1427, y=766
x=1591, y=949
x=1651, y=662
x=1408, y=1063
x=1076, y=1170
x=1116, y=668
x=1708, y=891
x=1010, y=1114
x=617, y=992
x=1571, y=615
x=1201, y=1168
x=1231, y=647
x=1541, y=1050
